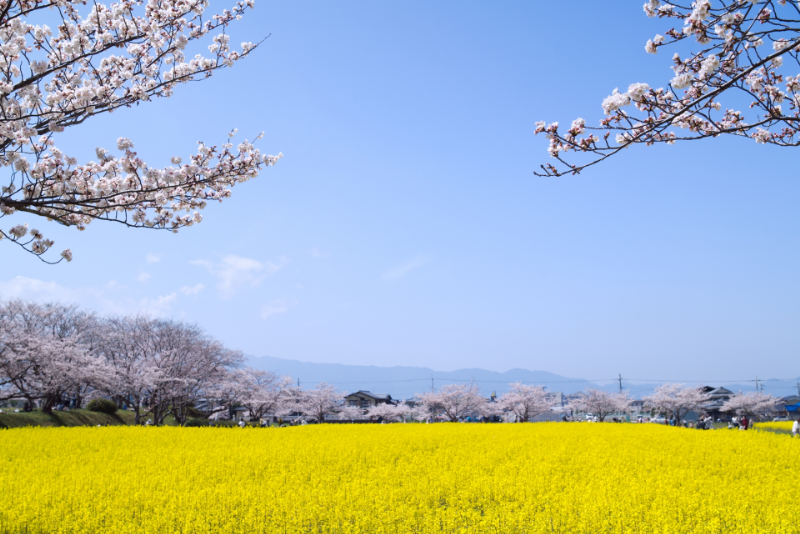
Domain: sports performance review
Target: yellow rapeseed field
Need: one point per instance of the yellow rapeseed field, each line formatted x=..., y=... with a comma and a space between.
x=776, y=425
x=501, y=478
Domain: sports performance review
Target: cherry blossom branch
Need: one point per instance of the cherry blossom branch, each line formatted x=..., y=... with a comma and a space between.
x=731, y=67
x=51, y=80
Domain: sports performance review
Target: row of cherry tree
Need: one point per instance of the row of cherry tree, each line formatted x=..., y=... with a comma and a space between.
x=526, y=402
x=52, y=353
x=677, y=401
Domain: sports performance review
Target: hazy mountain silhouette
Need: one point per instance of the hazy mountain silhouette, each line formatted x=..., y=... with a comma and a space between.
x=403, y=382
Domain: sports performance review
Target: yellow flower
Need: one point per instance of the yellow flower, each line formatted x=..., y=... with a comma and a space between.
x=399, y=478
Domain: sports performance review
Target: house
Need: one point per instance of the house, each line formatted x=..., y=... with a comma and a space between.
x=572, y=397
x=788, y=406
x=717, y=398
x=240, y=413
x=412, y=402
x=791, y=400
x=640, y=407
x=366, y=399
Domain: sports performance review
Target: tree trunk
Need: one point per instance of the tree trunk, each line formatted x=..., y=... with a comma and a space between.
x=48, y=402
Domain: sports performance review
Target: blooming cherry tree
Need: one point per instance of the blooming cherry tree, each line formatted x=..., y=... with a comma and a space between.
x=750, y=404
x=601, y=403
x=350, y=413
x=99, y=58
x=390, y=412
x=676, y=400
x=454, y=400
x=162, y=367
x=48, y=353
x=262, y=392
x=323, y=400
x=734, y=80
x=525, y=402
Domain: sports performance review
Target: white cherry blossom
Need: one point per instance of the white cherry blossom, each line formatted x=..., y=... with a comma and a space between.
x=723, y=57
x=90, y=59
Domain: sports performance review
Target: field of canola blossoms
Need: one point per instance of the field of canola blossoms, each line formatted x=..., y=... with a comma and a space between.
x=501, y=478
x=785, y=426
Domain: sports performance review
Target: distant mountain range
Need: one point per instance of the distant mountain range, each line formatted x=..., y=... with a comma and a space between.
x=402, y=382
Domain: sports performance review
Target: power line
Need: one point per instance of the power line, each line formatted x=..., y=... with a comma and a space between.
x=619, y=379
x=706, y=381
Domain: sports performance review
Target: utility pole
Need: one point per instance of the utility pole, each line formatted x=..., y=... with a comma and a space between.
x=620, y=383
x=431, y=383
x=757, y=390
x=798, y=389
x=298, y=383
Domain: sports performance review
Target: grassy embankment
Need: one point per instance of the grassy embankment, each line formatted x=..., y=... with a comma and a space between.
x=70, y=418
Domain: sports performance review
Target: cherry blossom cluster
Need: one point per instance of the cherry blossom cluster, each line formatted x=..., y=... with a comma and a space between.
x=526, y=401
x=751, y=404
x=602, y=403
x=732, y=79
x=392, y=413
x=676, y=400
x=262, y=392
x=99, y=58
x=456, y=401
x=47, y=351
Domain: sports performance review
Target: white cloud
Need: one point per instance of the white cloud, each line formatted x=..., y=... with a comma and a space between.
x=275, y=307
x=399, y=271
x=160, y=305
x=317, y=253
x=112, y=297
x=21, y=287
x=192, y=290
x=153, y=258
x=235, y=272
x=143, y=277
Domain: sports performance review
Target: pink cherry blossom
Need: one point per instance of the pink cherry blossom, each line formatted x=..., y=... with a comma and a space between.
x=601, y=403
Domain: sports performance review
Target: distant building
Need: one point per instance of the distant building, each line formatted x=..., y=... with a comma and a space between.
x=573, y=397
x=240, y=413
x=412, y=402
x=717, y=398
x=557, y=398
x=640, y=407
x=788, y=406
x=366, y=399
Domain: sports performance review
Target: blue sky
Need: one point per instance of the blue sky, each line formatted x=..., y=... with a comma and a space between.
x=405, y=226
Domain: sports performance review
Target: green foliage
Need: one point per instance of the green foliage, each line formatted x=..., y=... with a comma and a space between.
x=195, y=413
x=70, y=418
x=226, y=423
x=103, y=406
x=196, y=422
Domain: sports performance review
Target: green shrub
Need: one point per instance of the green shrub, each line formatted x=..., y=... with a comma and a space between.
x=195, y=422
x=102, y=406
x=194, y=413
x=226, y=423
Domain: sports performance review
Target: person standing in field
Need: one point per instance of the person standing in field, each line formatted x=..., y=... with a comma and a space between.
x=745, y=422
x=796, y=427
